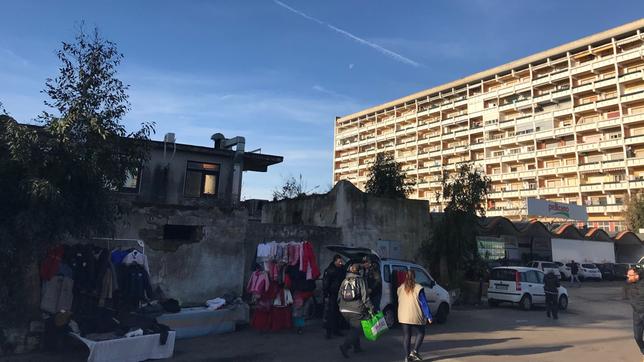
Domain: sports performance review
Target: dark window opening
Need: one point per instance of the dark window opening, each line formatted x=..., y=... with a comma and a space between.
x=181, y=232
x=132, y=182
x=202, y=179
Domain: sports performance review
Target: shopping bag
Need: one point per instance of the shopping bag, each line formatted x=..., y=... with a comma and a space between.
x=374, y=327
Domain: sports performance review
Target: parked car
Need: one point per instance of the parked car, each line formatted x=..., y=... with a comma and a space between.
x=546, y=267
x=621, y=269
x=522, y=286
x=565, y=271
x=607, y=270
x=589, y=271
x=437, y=297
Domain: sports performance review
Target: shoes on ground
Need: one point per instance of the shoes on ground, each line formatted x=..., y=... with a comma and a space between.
x=415, y=356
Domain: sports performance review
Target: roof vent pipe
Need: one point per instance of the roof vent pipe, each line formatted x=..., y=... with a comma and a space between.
x=218, y=138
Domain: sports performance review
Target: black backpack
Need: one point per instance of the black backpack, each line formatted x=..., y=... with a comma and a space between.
x=349, y=290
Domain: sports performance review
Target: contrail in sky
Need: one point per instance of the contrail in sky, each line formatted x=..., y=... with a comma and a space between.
x=377, y=47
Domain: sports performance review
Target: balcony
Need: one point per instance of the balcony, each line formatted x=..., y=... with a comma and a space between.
x=632, y=97
x=631, y=54
x=592, y=187
x=633, y=118
x=635, y=162
x=634, y=140
x=604, y=209
x=612, y=186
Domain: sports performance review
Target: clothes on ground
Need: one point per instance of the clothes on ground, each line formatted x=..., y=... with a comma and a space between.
x=214, y=304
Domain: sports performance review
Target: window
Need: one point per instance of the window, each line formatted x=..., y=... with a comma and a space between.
x=202, y=179
x=422, y=278
x=506, y=275
x=531, y=277
x=398, y=274
x=387, y=272
x=132, y=181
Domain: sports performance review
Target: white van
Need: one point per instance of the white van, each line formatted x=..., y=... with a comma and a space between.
x=437, y=297
x=522, y=286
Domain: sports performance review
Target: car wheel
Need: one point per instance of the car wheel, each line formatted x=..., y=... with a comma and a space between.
x=563, y=302
x=441, y=315
x=526, y=302
x=493, y=303
x=390, y=316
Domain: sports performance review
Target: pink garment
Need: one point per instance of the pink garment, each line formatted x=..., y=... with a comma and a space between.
x=293, y=254
x=258, y=283
x=308, y=264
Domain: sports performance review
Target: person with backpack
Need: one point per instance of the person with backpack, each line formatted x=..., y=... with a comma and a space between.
x=551, y=289
x=355, y=306
x=413, y=314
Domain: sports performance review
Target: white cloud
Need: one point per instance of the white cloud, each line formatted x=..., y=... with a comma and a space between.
x=353, y=37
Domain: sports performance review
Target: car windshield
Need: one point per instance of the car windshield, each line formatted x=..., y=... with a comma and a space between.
x=589, y=266
x=549, y=265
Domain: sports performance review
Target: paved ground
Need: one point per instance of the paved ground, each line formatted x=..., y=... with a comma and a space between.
x=597, y=327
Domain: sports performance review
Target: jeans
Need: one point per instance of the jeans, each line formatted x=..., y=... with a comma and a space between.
x=575, y=277
x=552, y=305
x=638, y=329
x=407, y=331
x=353, y=337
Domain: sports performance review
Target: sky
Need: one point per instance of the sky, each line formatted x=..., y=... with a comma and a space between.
x=278, y=72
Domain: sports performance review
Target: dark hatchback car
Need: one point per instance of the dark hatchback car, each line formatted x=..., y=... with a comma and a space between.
x=607, y=270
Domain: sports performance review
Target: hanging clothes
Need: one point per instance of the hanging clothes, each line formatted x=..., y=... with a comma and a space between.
x=136, y=257
x=258, y=283
x=308, y=263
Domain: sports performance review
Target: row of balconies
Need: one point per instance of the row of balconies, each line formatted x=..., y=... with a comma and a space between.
x=555, y=132
x=553, y=77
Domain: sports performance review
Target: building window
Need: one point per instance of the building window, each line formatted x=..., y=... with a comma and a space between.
x=202, y=179
x=132, y=181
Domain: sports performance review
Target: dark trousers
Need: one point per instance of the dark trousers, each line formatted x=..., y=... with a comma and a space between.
x=552, y=305
x=638, y=330
x=353, y=337
x=333, y=320
x=419, y=330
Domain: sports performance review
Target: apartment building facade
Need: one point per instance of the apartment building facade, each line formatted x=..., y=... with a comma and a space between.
x=566, y=125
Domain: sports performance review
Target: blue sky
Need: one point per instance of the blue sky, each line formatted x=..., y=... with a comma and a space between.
x=279, y=72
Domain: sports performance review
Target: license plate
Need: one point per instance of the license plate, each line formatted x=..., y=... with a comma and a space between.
x=501, y=286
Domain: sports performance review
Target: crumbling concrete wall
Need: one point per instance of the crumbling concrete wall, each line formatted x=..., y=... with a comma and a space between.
x=198, y=269
x=364, y=219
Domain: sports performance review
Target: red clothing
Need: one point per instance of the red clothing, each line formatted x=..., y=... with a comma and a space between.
x=258, y=283
x=51, y=264
x=308, y=264
x=281, y=318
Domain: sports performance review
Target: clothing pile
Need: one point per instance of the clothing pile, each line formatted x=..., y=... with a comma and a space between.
x=282, y=284
x=98, y=293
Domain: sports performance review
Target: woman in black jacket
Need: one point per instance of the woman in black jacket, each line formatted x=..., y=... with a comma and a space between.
x=333, y=277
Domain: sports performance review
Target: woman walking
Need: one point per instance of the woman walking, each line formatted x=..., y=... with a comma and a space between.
x=413, y=314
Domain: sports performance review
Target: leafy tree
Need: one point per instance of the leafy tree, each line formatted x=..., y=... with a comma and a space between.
x=57, y=179
x=386, y=178
x=291, y=189
x=452, y=244
x=634, y=212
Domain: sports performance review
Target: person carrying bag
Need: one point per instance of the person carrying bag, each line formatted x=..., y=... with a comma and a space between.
x=413, y=314
x=355, y=307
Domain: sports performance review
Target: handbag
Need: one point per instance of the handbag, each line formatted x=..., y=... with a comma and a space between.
x=374, y=327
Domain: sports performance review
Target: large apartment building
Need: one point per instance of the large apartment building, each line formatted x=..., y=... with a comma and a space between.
x=566, y=124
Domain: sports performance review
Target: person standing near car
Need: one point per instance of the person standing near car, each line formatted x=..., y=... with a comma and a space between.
x=355, y=306
x=574, y=273
x=413, y=314
x=331, y=281
x=373, y=279
x=551, y=289
x=636, y=294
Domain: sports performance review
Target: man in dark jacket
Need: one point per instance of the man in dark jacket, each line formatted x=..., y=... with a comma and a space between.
x=355, y=306
x=333, y=277
x=574, y=273
x=636, y=294
x=551, y=288
x=373, y=279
